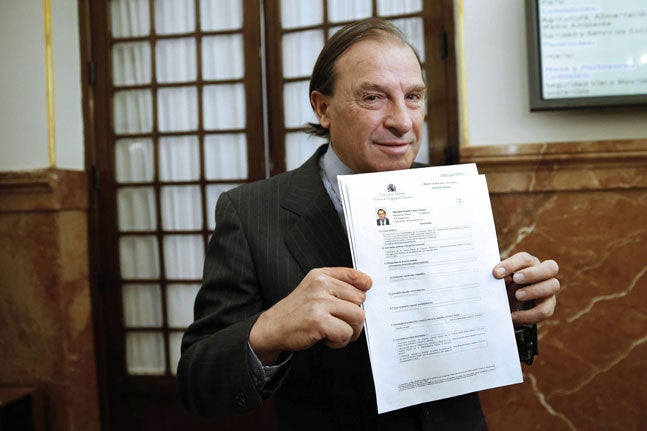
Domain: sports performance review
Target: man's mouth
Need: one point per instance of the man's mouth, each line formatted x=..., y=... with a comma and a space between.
x=393, y=147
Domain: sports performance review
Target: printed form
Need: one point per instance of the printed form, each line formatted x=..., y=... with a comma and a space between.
x=437, y=322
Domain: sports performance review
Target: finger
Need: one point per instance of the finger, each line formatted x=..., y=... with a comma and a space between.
x=348, y=313
x=338, y=343
x=542, y=310
x=355, y=278
x=340, y=322
x=514, y=263
x=357, y=331
x=334, y=282
x=542, y=289
x=543, y=271
x=339, y=333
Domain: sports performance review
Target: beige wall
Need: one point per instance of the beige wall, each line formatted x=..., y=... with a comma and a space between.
x=23, y=105
x=494, y=86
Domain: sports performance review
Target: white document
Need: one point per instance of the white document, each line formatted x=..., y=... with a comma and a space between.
x=437, y=322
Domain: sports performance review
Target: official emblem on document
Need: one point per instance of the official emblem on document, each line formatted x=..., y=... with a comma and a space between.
x=390, y=188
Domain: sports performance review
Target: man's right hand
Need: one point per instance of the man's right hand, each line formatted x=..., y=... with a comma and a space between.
x=324, y=306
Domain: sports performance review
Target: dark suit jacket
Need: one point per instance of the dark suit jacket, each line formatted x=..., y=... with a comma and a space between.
x=268, y=235
x=386, y=221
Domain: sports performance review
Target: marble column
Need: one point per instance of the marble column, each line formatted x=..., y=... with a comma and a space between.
x=46, y=329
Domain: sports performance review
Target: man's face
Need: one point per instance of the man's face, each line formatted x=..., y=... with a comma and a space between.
x=381, y=214
x=377, y=110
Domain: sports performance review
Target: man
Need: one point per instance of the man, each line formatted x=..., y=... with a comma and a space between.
x=278, y=312
x=381, y=218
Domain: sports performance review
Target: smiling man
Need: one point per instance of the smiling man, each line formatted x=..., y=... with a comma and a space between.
x=279, y=310
x=376, y=110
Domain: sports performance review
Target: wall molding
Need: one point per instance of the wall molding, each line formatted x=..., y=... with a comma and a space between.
x=568, y=166
x=43, y=190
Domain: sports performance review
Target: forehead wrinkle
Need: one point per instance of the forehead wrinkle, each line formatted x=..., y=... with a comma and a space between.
x=374, y=86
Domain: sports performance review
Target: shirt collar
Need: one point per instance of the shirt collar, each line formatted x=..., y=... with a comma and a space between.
x=332, y=166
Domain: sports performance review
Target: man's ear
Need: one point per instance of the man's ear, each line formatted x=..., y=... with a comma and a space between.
x=320, y=104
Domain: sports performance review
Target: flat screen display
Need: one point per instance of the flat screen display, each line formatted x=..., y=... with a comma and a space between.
x=587, y=53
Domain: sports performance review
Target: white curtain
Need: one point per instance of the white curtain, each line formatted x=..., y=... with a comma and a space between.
x=139, y=257
x=224, y=106
x=133, y=111
x=175, y=60
x=393, y=7
x=214, y=49
x=301, y=13
x=413, y=29
x=178, y=159
x=226, y=155
x=145, y=353
x=131, y=63
x=343, y=10
x=177, y=109
x=174, y=16
x=221, y=14
x=134, y=159
x=129, y=18
x=297, y=105
x=181, y=209
x=300, y=51
x=299, y=148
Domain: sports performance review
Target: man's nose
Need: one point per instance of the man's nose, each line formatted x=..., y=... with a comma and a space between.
x=398, y=119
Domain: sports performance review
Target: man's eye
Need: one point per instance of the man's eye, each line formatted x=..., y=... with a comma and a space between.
x=414, y=96
x=371, y=97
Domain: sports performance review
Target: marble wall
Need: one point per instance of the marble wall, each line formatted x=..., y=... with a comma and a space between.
x=45, y=315
x=585, y=205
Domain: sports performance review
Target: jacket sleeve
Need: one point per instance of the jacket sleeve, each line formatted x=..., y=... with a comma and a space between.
x=214, y=374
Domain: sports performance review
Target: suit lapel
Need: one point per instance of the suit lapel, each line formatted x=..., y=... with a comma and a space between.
x=317, y=238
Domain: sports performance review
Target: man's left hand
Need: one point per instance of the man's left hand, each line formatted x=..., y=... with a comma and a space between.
x=530, y=279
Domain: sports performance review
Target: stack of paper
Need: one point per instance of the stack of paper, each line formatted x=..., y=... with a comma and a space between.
x=437, y=322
